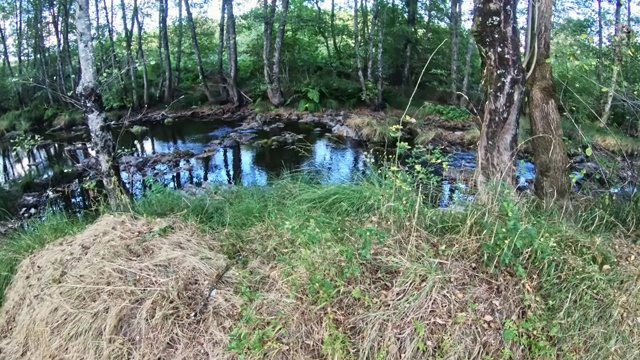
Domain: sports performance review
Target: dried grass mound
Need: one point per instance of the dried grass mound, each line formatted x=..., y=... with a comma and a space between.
x=123, y=289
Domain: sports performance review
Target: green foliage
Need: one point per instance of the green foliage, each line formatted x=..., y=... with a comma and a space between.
x=446, y=112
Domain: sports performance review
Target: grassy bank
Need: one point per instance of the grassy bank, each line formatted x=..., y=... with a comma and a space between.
x=370, y=271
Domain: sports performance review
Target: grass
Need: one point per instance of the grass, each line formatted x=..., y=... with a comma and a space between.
x=38, y=234
x=370, y=271
x=609, y=138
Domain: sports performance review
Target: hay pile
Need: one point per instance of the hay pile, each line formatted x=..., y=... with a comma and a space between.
x=124, y=288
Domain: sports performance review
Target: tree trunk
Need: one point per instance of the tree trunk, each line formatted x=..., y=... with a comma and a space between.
x=274, y=90
x=412, y=8
x=617, y=62
x=66, y=49
x=321, y=32
x=371, y=40
x=5, y=52
x=269, y=11
x=223, y=89
x=164, y=34
x=552, y=183
x=114, y=62
x=232, y=52
x=179, y=50
x=336, y=50
x=88, y=91
x=128, y=38
x=141, y=57
x=196, y=52
x=600, y=46
x=455, y=45
x=498, y=42
x=467, y=71
x=55, y=21
x=379, y=104
x=357, y=50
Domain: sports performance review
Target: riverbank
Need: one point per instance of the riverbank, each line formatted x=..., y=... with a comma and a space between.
x=212, y=145
x=343, y=271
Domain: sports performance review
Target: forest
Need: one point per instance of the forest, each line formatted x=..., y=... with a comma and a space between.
x=320, y=179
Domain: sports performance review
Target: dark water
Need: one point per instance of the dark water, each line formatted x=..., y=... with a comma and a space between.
x=330, y=160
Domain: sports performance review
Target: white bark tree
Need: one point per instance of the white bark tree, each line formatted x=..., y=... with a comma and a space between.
x=88, y=92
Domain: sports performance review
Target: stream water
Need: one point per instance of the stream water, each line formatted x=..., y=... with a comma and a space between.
x=331, y=160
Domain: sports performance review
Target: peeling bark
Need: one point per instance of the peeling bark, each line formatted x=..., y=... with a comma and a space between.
x=88, y=92
x=496, y=34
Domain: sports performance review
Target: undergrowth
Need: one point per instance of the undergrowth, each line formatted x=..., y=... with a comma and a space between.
x=372, y=271
x=563, y=289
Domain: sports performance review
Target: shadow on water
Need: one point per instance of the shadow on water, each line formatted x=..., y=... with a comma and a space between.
x=212, y=161
x=209, y=162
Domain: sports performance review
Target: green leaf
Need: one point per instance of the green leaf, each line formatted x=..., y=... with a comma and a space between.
x=588, y=151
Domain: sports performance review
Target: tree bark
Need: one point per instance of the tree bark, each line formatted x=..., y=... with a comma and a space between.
x=140, y=54
x=274, y=90
x=89, y=94
x=128, y=38
x=232, y=52
x=497, y=38
x=467, y=71
x=552, y=183
x=196, y=52
x=336, y=49
x=379, y=104
x=600, y=45
x=321, y=31
x=223, y=89
x=617, y=62
x=164, y=35
x=5, y=52
x=179, y=50
x=412, y=8
x=356, y=42
x=114, y=62
x=455, y=45
x=371, y=40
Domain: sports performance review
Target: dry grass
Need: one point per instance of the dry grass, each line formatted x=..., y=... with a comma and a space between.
x=121, y=289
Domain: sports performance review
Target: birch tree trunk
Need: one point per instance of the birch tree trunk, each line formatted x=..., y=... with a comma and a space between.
x=88, y=92
x=455, y=45
x=274, y=90
x=131, y=68
x=379, y=104
x=552, y=183
x=141, y=57
x=223, y=89
x=498, y=41
x=467, y=71
x=164, y=34
x=196, y=52
x=179, y=50
x=232, y=53
x=617, y=62
x=356, y=42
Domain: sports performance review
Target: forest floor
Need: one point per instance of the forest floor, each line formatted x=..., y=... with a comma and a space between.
x=324, y=272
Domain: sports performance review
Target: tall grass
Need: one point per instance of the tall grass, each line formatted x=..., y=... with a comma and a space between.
x=338, y=271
